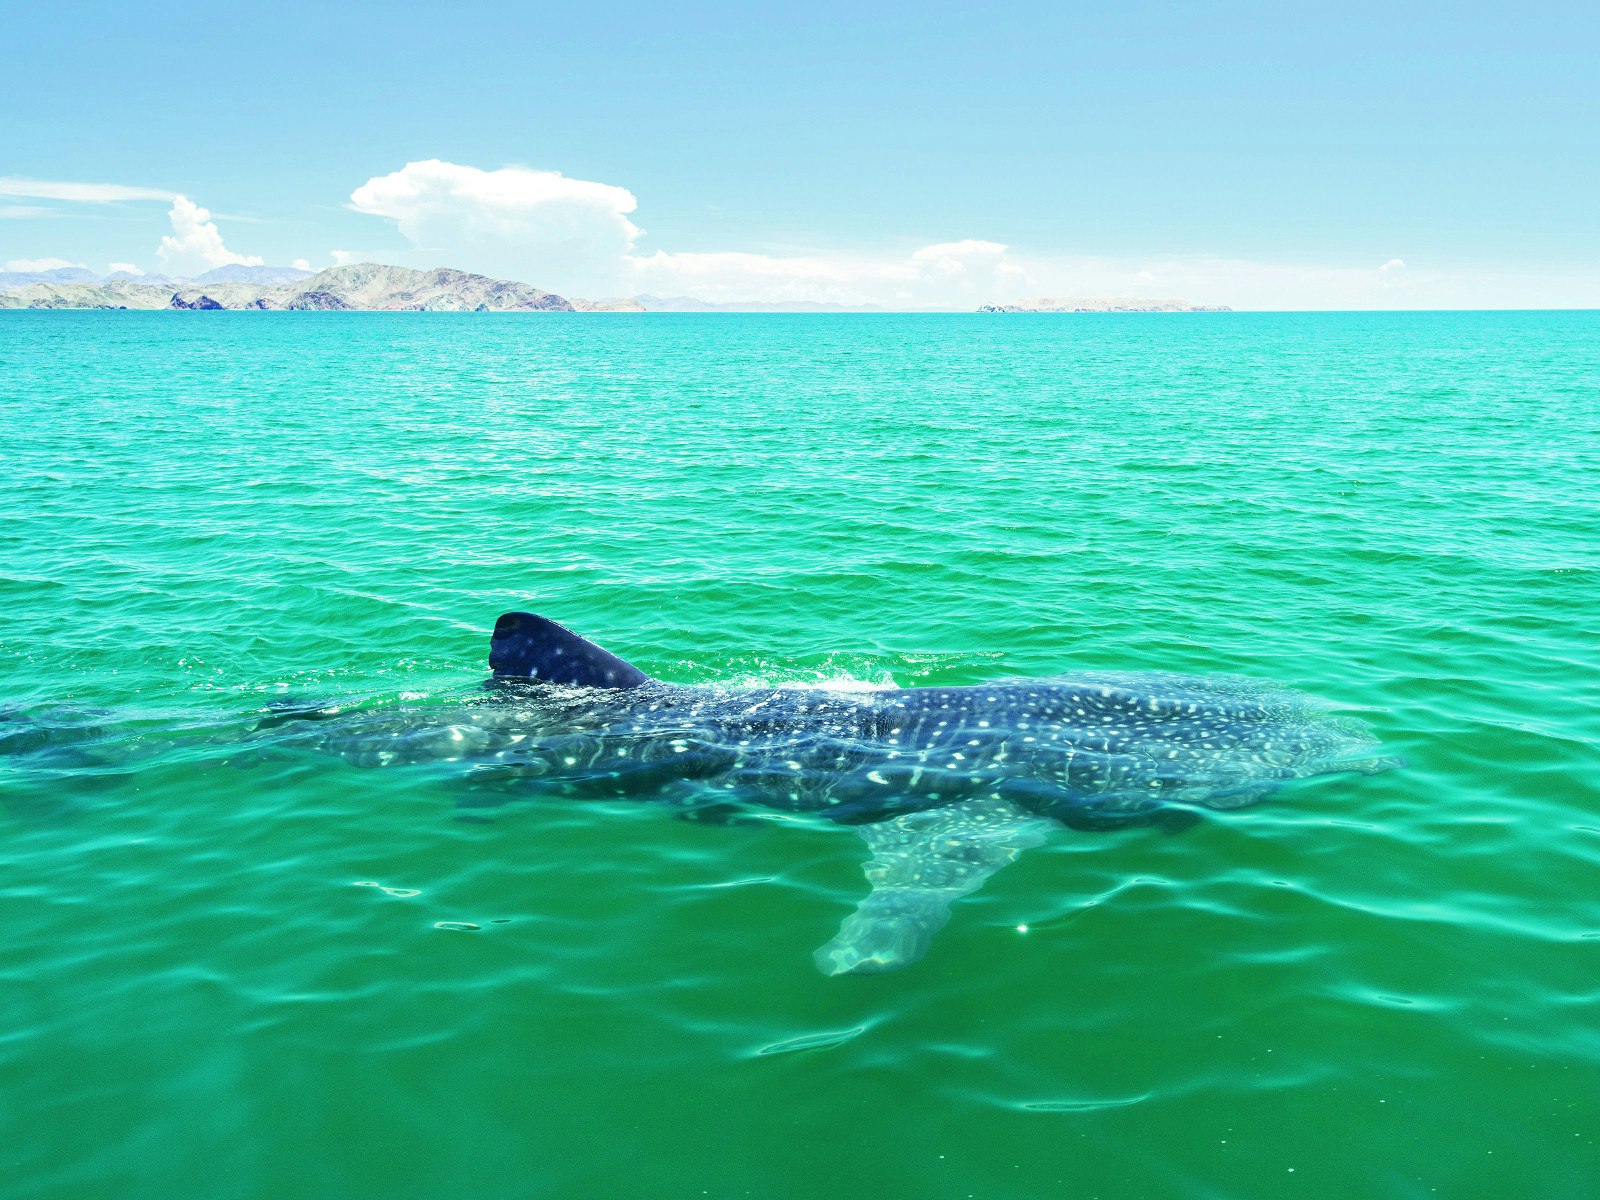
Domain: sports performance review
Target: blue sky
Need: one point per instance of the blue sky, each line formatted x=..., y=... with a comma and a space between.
x=1358, y=155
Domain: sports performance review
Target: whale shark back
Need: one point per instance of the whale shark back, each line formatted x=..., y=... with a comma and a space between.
x=525, y=646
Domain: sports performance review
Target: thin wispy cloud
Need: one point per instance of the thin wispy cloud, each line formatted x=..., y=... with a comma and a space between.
x=81, y=193
x=39, y=264
x=970, y=271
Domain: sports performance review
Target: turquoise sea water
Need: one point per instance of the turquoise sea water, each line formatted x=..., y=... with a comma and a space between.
x=228, y=974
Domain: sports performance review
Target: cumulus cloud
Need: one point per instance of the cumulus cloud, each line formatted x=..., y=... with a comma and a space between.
x=964, y=259
x=87, y=193
x=123, y=269
x=195, y=245
x=534, y=225
x=301, y=264
x=969, y=270
x=39, y=264
x=1393, y=265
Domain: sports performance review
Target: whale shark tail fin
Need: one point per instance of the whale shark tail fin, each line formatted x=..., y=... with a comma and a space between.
x=525, y=646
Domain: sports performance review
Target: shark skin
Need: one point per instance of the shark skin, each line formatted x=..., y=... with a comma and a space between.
x=946, y=785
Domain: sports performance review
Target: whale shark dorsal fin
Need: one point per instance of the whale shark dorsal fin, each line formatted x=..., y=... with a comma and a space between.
x=920, y=862
x=525, y=646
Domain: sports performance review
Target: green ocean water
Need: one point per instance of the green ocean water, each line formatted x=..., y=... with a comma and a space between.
x=247, y=976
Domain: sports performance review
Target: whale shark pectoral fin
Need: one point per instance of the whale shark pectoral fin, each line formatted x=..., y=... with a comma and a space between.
x=525, y=646
x=920, y=863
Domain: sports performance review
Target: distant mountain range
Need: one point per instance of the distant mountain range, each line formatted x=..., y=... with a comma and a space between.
x=371, y=287
x=16, y=279
x=11, y=280
x=366, y=287
x=265, y=276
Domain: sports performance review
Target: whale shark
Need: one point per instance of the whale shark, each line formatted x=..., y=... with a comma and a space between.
x=945, y=785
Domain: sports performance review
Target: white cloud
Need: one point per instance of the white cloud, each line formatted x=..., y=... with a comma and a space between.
x=967, y=271
x=301, y=264
x=1247, y=283
x=962, y=259
x=18, y=212
x=195, y=245
x=577, y=237
x=123, y=268
x=39, y=264
x=344, y=258
x=734, y=275
x=87, y=193
x=947, y=274
x=538, y=226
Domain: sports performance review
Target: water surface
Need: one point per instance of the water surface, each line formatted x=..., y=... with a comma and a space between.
x=233, y=975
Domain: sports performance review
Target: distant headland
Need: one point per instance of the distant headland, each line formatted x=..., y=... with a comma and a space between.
x=372, y=287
